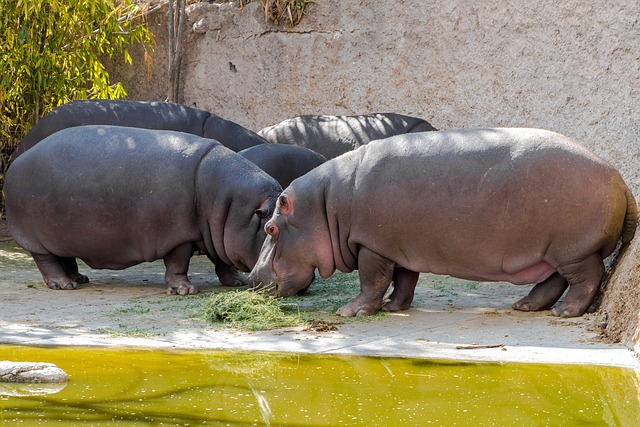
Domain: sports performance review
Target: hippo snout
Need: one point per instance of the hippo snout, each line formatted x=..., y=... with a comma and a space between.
x=260, y=285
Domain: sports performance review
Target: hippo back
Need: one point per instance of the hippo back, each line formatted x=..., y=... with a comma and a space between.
x=332, y=136
x=138, y=114
x=284, y=162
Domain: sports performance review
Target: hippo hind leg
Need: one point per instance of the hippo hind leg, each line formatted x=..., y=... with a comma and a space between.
x=543, y=295
x=584, y=279
x=54, y=271
x=404, y=286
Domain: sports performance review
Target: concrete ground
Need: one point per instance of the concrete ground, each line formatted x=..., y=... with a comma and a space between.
x=450, y=319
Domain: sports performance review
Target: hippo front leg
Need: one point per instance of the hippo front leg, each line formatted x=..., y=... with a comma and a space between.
x=176, y=263
x=54, y=271
x=228, y=274
x=376, y=273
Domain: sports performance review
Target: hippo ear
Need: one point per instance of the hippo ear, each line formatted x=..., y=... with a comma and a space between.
x=285, y=204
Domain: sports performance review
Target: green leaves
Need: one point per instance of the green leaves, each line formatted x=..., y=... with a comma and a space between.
x=248, y=309
x=51, y=52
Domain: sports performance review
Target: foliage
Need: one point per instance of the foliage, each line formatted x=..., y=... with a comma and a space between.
x=51, y=52
x=247, y=309
x=256, y=310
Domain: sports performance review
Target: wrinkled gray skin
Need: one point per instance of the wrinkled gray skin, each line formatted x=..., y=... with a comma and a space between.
x=332, y=136
x=117, y=196
x=147, y=115
x=519, y=205
x=283, y=162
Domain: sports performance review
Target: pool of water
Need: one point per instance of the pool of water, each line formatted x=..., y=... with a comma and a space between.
x=140, y=387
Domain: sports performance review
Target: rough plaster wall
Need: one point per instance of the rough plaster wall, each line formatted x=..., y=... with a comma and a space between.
x=619, y=313
x=572, y=67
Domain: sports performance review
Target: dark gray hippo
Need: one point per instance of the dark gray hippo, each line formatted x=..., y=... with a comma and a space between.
x=138, y=114
x=332, y=136
x=519, y=205
x=283, y=162
x=119, y=196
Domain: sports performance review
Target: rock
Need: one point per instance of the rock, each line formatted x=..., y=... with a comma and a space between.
x=31, y=372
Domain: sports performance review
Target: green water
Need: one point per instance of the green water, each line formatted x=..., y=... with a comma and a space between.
x=110, y=387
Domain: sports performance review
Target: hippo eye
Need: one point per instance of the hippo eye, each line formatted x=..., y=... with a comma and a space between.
x=272, y=229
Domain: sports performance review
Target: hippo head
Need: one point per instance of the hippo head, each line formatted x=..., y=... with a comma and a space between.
x=232, y=223
x=298, y=242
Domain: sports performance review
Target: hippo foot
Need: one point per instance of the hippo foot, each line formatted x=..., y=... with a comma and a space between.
x=543, y=295
x=234, y=279
x=356, y=309
x=527, y=304
x=79, y=278
x=391, y=305
x=182, y=289
x=64, y=285
x=565, y=310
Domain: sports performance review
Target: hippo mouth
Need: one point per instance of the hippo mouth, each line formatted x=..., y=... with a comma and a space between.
x=287, y=288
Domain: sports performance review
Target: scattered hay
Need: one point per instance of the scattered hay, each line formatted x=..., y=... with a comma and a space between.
x=321, y=326
x=247, y=309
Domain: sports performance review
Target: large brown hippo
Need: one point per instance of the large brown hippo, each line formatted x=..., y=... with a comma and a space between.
x=119, y=196
x=138, y=114
x=332, y=136
x=519, y=205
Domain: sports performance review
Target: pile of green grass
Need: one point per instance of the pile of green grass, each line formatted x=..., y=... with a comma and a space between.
x=258, y=311
x=247, y=309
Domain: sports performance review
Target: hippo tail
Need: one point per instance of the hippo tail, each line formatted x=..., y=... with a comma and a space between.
x=630, y=219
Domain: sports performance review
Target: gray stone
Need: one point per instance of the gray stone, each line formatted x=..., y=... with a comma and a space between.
x=31, y=372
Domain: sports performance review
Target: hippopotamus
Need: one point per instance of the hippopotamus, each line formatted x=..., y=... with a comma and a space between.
x=332, y=136
x=119, y=196
x=138, y=114
x=527, y=206
x=283, y=162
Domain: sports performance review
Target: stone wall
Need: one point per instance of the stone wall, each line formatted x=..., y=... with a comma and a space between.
x=571, y=66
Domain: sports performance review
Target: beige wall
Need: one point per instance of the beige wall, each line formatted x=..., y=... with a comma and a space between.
x=571, y=66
